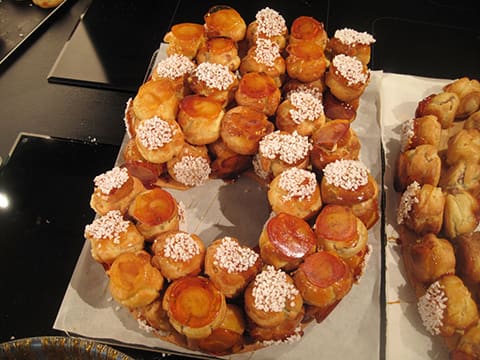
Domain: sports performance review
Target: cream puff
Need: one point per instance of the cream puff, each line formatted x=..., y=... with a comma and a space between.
x=155, y=98
x=468, y=91
x=191, y=167
x=220, y=50
x=222, y=20
x=185, y=39
x=307, y=28
x=443, y=106
x=347, y=77
x=258, y=91
x=305, y=61
x=351, y=43
x=268, y=24
x=419, y=131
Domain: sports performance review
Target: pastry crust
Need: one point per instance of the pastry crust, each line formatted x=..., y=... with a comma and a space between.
x=421, y=164
x=468, y=91
x=226, y=163
x=185, y=39
x=220, y=50
x=194, y=306
x=463, y=175
x=295, y=192
x=258, y=91
x=352, y=43
x=337, y=109
x=347, y=77
x=443, y=105
x=110, y=235
x=231, y=266
x=191, y=167
x=305, y=61
x=242, y=129
x=301, y=111
x=222, y=20
x=285, y=241
x=461, y=214
x=159, y=140
x=114, y=190
x=134, y=282
x=307, y=28
x=467, y=248
x=177, y=253
x=419, y=131
x=268, y=24
x=333, y=141
x=323, y=279
x=146, y=171
x=465, y=145
x=156, y=98
x=154, y=211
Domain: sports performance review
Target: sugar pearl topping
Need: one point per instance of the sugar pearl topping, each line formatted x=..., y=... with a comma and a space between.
x=232, y=257
x=154, y=133
x=409, y=197
x=109, y=226
x=266, y=52
x=408, y=130
x=215, y=76
x=350, y=68
x=431, y=308
x=270, y=22
x=346, y=174
x=180, y=247
x=307, y=106
x=352, y=37
x=271, y=290
x=174, y=66
x=258, y=169
x=298, y=183
x=289, y=148
x=314, y=91
x=192, y=170
x=112, y=179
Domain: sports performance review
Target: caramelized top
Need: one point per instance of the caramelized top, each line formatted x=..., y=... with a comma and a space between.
x=257, y=85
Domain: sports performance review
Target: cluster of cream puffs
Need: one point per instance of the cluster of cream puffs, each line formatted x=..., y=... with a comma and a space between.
x=230, y=98
x=438, y=175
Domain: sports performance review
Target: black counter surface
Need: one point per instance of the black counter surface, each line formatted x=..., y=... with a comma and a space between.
x=48, y=178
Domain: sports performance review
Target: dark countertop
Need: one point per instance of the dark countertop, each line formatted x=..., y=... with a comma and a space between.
x=49, y=181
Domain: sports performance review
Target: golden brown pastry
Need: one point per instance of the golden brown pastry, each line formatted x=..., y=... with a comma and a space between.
x=268, y=24
x=155, y=98
x=154, y=211
x=226, y=163
x=443, y=105
x=473, y=121
x=337, y=109
x=301, y=111
x=305, y=61
x=231, y=266
x=461, y=214
x=285, y=241
x=465, y=145
x=185, y=39
x=428, y=258
x=195, y=307
x=307, y=28
x=153, y=318
x=447, y=307
x=467, y=346
x=220, y=50
x=463, y=175
x=295, y=192
x=333, y=141
x=242, y=129
x=146, y=171
x=272, y=301
x=351, y=43
x=419, y=131
x=323, y=279
x=111, y=235
x=177, y=253
x=264, y=57
x=134, y=282
x=215, y=81
x=200, y=118
x=347, y=77
x=159, y=140
x=228, y=336
x=258, y=91
x=421, y=208
x=191, y=167
x=421, y=164
x=338, y=229
x=175, y=68
x=222, y=20
x=114, y=190
x=316, y=88
x=467, y=248
x=281, y=150
x=468, y=91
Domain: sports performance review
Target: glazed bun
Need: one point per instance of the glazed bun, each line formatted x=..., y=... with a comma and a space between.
x=258, y=91
x=307, y=28
x=222, y=20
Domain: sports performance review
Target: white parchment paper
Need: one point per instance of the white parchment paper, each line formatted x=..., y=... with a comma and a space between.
x=351, y=331
x=406, y=337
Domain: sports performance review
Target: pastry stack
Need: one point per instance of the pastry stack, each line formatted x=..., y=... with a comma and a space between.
x=438, y=173
x=233, y=98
